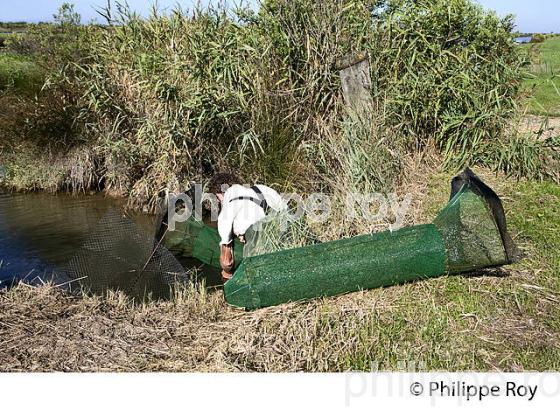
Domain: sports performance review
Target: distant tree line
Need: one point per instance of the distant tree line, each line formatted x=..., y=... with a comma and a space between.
x=13, y=25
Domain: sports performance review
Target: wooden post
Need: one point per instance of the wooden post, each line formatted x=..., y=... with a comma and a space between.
x=355, y=77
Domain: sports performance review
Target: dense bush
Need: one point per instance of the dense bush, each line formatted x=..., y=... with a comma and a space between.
x=447, y=70
x=55, y=51
x=174, y=96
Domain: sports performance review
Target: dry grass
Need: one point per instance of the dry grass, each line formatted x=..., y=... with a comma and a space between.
x=45, y=330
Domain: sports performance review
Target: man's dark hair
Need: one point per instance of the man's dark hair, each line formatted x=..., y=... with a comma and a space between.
x=220, y=179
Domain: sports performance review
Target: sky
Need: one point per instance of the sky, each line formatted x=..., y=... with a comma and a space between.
x=532, y=15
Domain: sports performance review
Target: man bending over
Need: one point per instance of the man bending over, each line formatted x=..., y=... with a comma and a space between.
x=241, y=207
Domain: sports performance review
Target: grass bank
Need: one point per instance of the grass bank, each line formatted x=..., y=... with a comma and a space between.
x=543, y=81
x=506, y=319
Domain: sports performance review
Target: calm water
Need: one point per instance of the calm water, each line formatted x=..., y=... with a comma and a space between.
x=41, y=232
x=523, y=40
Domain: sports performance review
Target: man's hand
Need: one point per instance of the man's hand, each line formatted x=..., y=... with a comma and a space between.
x=226, y=261
x=226, y=276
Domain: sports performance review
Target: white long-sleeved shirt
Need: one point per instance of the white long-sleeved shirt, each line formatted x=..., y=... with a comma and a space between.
x=237, y=216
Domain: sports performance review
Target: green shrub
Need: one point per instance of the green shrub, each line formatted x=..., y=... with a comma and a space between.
x=18, y=74
x=448, y=71
x=54, y=51
x=173, y=96
x=538, y=38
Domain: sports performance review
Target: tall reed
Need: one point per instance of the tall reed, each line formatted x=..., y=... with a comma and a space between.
x=168, y=99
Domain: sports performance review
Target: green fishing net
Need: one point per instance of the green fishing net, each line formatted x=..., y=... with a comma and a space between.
x=280, y=263
x=473, y=227
x=278, y=231
x=194, y=239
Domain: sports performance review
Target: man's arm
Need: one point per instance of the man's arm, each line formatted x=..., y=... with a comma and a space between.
x=225, y=224
x=227, y=261
x=225, y=229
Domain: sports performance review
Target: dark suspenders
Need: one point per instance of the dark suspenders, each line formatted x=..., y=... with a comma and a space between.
x=260, y=201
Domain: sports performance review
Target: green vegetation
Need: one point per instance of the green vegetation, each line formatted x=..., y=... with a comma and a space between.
x=9, y=28
x=543, y=82
x=19, y=74
x=538, y=38
x=170, y=98
x=13, y=26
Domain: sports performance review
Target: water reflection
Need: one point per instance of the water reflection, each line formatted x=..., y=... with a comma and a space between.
x=40, y=232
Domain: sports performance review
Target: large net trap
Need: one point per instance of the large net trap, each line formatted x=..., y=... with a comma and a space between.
x=469, y=234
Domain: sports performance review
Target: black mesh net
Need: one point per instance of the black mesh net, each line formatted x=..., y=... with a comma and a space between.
x=121, y=255
x=473, y=227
